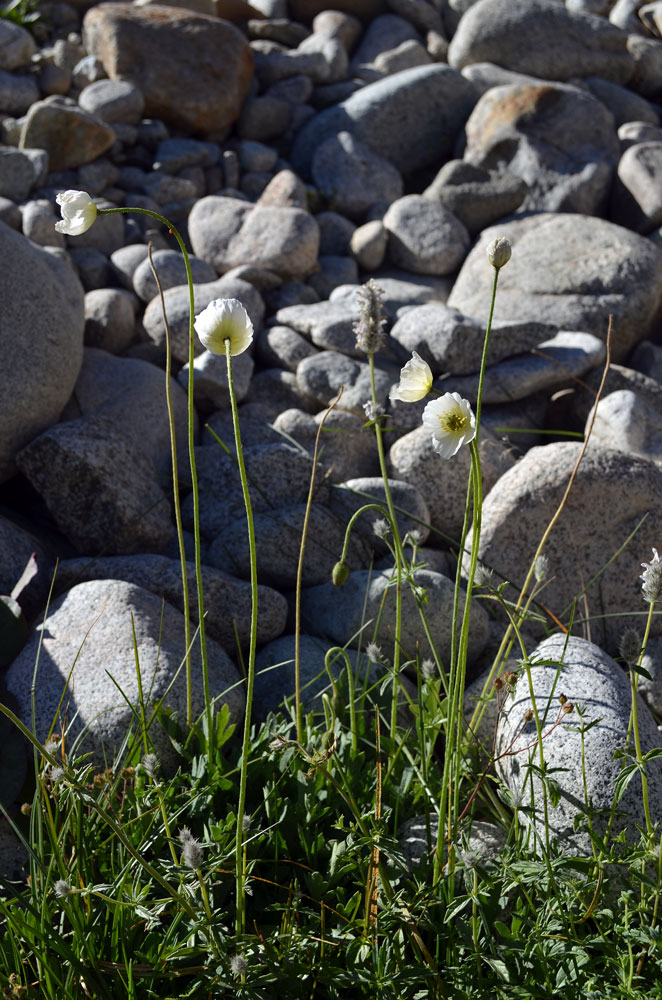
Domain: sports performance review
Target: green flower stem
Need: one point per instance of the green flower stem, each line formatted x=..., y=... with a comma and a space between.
x=240, y=857
x=194, y=477
x=634, y=683
x=175, y=496
x=399, y=554
x=299, y=579
x=350, y=684
x=354, y=518
x=457, y=674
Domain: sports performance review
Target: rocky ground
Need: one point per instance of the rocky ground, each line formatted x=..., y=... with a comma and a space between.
x=302, y=151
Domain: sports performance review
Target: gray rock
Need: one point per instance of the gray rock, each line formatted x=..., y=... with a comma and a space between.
x=285, y=189
x=336, y=24
x=227, y=601
x=632, y=133
x=264, y=117
x=99, y=486
x=171, y=269
x=193, y=72
x=69, y=135
x=282, y=347
x=274, y=677
x=625, y=422
x=227, y=232
x=177, y=311
x=279, y=390
x=485, y=75
x=369, y=244
x=647, y=358
x=559, y=139
x=560, y=361
x=425, y=237
x=125, y=261
x=411, y=118
x=405, y=56
x=352, y=176
x=412, y=512
x=618, y=378
x=113, y=101
x=611, y=494
x=590, y=677
x=346, y=447
x=87, y=70
x=17, y=544
x=109, y=319
x=381, y=35
x=278, y=534
x=96, y=177
x=328, y=325
x=210, y=380
x=165, y=189
x=475, y=196
x=323, y=375
x=647, y=77
x=451, y=342
x=333, y=271
x=543, y=38
x=19, y=172
x=278, y=473
x=130, y=394
x=636, y=201
x=17, y=93
x=39, y=223
x=91, y=266
x=335, y=233
x=17, y=46
x=443, y=485
x=340, y=614
x=650, y=688
x=400, y=288
x=41, y=342
x=572, y=271
x=623, y=105
x=93, y=626
x=325, y=61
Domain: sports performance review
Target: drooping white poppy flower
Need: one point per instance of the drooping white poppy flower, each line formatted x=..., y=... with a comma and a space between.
x=451, y=422
x=415, y=380
x=78, y=212
x=224, y=319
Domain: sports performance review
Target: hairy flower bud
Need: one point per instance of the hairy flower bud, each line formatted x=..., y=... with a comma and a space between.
x=498, y=252
x=369, y=328
x=652, y=576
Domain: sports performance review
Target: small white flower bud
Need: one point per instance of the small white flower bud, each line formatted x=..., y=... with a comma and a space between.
x=61, y=888
x=224, y=319
x=499, y=252
x=78, y=212
x=192, y=853
x=652, y=576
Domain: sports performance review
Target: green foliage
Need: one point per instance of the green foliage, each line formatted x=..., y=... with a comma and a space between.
x=23, y=12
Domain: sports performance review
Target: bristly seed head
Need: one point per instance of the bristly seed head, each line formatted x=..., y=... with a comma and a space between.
x=150, y=763
x=369, y=328
x=373, y=652
x=629, y=646
x=380, y=527
x=238, y=965
x=61, y=888
x=652, y=576
x=192, y=852
x=541, y=568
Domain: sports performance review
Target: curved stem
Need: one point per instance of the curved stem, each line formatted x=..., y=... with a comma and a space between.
x=240, y=854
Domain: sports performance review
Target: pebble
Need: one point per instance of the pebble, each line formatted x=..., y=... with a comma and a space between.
x=587, y=676
x=99, y=621
x=70, y=136
x=552, y=277
x=424, y=237
x=352, y=177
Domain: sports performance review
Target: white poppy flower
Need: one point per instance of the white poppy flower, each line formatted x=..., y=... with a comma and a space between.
x=415, y=380
x=224, y=319
x=78, y=212
x=451, y=422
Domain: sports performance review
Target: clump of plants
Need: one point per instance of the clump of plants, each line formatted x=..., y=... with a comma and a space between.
x=333, y=854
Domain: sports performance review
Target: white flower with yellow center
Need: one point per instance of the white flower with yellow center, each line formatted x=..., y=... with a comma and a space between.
x=451, y=422
x=415, y=380
x=224, y=319
x=78, y=212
